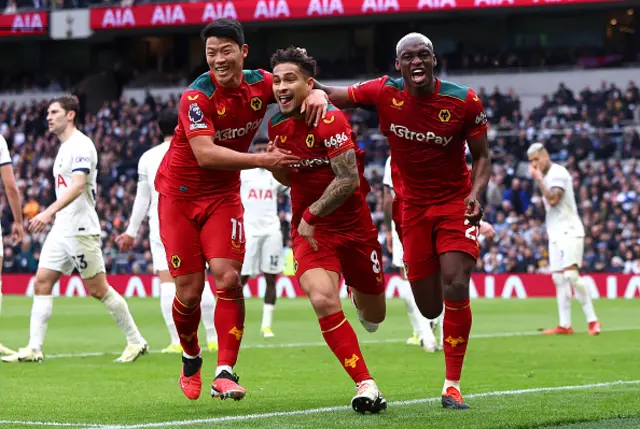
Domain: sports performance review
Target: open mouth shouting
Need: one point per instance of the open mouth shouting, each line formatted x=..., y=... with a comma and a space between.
x=418, y=75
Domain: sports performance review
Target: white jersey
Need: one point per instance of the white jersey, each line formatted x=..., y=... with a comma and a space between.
x=5, y=156
x=259, y=192
x=386, y=179
x=562, y=219
x=77, y=155
x=147, y=168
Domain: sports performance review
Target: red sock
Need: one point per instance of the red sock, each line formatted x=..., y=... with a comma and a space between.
x=229, y=322
x=343, y=342
x=187, y=320
x=456, y=328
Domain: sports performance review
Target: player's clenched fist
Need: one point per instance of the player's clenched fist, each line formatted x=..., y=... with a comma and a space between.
x=125, y=242
x=474, y=210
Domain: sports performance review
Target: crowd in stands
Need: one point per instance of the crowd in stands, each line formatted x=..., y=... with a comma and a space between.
x=594, y=133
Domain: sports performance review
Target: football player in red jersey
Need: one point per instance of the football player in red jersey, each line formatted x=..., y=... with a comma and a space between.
x=332, y=230
x=199, y=207
x=427, y=122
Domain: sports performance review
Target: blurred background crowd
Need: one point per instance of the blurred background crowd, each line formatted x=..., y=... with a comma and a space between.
x=594, y=133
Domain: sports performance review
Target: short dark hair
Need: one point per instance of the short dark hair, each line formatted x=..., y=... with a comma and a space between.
x=167, y=121
x=295, y=55
x=224, y=28
x=69, y=103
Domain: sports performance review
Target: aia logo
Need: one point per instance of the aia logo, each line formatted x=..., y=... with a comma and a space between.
x=260, y=194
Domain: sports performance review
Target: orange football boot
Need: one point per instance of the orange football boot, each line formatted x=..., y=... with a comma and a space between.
x=226, y=385
x=453, y=399
x=558, y=330
x=191, y=384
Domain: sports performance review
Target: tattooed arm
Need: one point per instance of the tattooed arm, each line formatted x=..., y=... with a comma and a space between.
x=345, y=167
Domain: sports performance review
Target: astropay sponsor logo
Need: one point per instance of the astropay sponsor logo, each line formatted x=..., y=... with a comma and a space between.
x=236, y=133
x=428, y=137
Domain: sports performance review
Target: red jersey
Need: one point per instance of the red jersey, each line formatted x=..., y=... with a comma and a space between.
x=427, y=135
x=231, y=116
x=316, y=146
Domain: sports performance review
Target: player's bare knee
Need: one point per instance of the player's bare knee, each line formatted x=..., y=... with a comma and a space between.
x=324, y=302
x=227, y=279
x=45, y=280
x=189, y=289
x=430, y=309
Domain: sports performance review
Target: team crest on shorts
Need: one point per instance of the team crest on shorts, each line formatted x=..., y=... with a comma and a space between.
x=295, y=267
x=256, y=103
x=310, y=140
x=444, y=115
x=406, y=268
x=176, y=262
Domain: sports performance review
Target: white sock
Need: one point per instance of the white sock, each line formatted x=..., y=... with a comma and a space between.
x=167, y=293
x=440, y=321
x=450, y=383
x=120, y=312
x=267, y=315
x=192, y=357
x=582, y=295
x=412, y=309
x=40, y=314
x=221, y=368
x=208, y=306
x=563, y=295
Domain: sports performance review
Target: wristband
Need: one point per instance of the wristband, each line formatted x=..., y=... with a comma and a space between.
x=309, y=217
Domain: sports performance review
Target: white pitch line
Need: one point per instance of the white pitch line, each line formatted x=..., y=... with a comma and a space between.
x=315, y=410
x=321, y=343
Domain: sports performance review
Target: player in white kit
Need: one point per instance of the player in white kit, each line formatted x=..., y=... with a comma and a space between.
x=146, y=203
x=566, y=238
x=422, y=327
x=13, y=195
x=74, y=239
x=264, y=247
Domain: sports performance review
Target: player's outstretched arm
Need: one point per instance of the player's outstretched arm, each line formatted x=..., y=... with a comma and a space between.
x=13, y=195
x=345, y=167
x=210, y=155
x=338, y=95
x=78, y=182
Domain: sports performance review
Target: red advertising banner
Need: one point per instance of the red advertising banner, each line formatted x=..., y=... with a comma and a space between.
x=504, y=286
x=20, y=24
x=179, y=14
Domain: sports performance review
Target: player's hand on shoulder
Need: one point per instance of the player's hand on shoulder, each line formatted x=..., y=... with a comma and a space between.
x=474, y=210
x=17, y=233
x=315, y=107
x=125, y=242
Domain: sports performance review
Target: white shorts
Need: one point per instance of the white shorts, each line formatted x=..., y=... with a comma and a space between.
x=158, y=255
x=565, y=253
x=63, y=254
x=398, y=251
x=263, y=254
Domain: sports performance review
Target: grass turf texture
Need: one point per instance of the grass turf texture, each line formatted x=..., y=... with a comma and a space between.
x=297, y=372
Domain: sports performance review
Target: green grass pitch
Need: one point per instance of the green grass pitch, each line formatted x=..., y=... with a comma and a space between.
x=513, y=377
